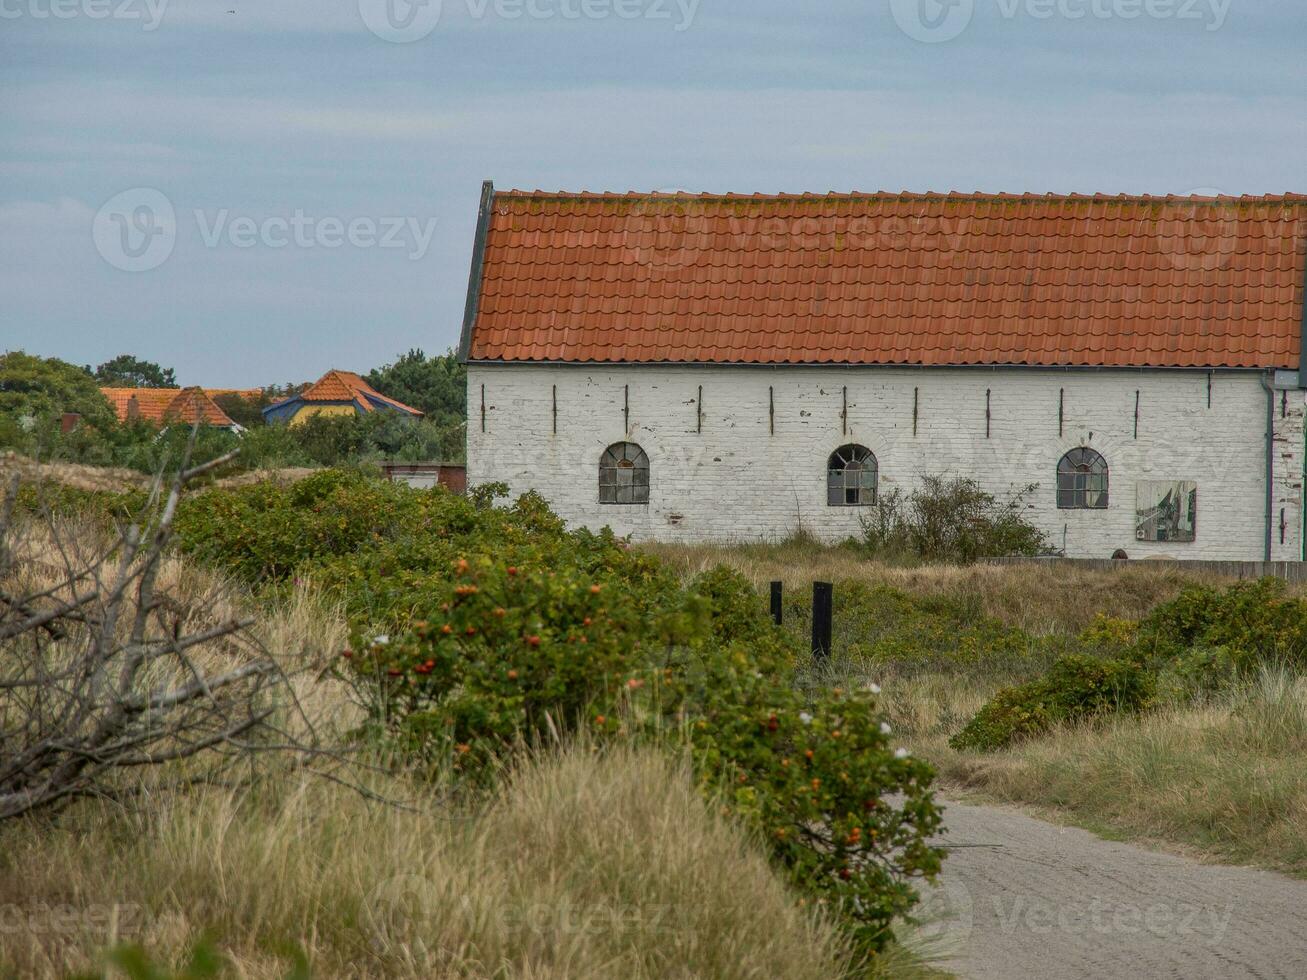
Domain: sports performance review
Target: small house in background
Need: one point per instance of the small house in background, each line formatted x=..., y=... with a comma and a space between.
x=335, y=393
x=424, y=476
x=163, y=406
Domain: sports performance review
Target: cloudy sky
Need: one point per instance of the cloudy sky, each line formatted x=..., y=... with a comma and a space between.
x=256, y=192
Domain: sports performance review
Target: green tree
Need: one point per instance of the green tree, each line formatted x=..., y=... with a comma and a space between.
x=244, y=411
x=436, y=385
x=128, y=371
x=38, y=388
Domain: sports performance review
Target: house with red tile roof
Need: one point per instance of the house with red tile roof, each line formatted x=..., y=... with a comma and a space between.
x=736, y=367
x=165, y=406
x=335, y=393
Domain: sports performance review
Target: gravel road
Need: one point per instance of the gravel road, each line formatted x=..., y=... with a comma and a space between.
x=1021, y=897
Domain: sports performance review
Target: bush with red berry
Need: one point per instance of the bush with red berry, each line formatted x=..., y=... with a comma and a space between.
x=511, y=655
x=482, y=629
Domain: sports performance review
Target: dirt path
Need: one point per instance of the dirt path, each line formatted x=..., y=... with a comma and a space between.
x=1026, y=898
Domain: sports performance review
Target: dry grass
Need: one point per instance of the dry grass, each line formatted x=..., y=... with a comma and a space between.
x=110, y=479
x=583, y=866
x=1059, y=598
x=1223, y=780
x=301, y=632
x=282, y=475
x=75, y=475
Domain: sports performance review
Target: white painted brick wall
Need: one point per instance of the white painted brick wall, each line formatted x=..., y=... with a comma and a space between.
x=737, y=480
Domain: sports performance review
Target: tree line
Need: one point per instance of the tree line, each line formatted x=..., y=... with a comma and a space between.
x=36, y=393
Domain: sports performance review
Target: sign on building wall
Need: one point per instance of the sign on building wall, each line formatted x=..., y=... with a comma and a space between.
x=1166, y=510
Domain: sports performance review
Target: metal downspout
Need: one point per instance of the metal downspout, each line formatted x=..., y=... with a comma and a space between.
x=1270, y=456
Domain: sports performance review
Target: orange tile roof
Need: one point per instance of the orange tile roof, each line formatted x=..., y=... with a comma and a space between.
x=934, y=279
x=346, y=386
x=159, y=405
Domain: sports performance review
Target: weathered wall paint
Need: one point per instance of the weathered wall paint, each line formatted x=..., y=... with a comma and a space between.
x=307, y=411
x=728, y=477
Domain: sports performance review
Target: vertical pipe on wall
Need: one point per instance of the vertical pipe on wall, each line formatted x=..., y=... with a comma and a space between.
x=698, y=408
x=1270, y=457
x=986, y=413
x=1136, y=413
x=626, y=408
x=555, y=409
x=1061, y=399
x=915, y=394
x=1209, y=389
x=844, y=411
x=483, y=408
x=771, y=410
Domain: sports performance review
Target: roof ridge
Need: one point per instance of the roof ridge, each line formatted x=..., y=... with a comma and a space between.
x=906, y=195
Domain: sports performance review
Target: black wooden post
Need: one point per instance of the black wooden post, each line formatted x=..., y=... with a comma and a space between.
x=776, y=603
x=821, y=619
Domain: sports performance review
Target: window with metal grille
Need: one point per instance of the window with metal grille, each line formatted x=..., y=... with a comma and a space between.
x=1082, y=480
x=851, y=477
x=624, y=475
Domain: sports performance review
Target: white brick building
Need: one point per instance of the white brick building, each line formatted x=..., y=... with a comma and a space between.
x=743, y=344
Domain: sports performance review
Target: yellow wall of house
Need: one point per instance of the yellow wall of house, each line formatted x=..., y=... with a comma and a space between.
x=306, y=412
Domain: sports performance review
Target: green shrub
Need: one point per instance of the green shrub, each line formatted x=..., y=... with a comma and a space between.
x=503, y=628
x=59, y=498
x=951, y=520
x=881, y=626
x=1074, y=689
x=510, y=656
x=1252, y=621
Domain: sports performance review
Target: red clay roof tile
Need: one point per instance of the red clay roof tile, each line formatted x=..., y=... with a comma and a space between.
x=160, y=405
x=346, y=386
x=892, y=278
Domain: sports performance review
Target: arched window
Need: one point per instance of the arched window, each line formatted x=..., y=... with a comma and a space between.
x=624, y=475
x=1082, y=480
x=851, y=477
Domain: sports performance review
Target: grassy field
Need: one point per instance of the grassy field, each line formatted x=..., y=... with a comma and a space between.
x=1222, y=780
x=1219, y=778
x=580, y=864
x=592, y=864
x=583, y=866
